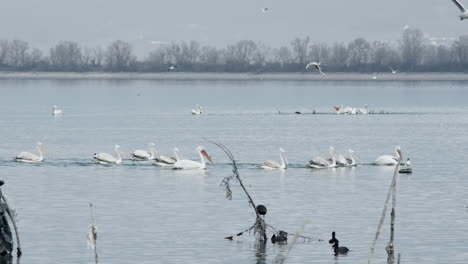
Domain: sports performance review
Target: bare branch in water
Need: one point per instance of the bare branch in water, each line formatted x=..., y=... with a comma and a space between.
x=92, y=234
x=280, y=259
x=12, y=214
x=384, y=211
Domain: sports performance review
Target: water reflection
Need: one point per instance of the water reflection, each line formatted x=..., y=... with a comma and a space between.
x=260, y=253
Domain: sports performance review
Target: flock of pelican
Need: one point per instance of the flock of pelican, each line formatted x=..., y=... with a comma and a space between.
x=351, y=110
x=177, y=162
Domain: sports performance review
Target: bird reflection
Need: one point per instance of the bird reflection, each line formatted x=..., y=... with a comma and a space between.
x=260, y=253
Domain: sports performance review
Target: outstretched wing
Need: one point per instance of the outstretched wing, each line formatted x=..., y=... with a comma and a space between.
x=460, y=6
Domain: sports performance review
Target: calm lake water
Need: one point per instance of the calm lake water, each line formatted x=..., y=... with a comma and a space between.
x=147, y=214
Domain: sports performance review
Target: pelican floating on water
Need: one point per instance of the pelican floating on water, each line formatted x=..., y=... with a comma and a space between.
x=388, y=160
x=56, y=111
x=347, y=162
x=321, y=163
x=106, y=158
x=143, y=154
x=273, y=165
x=191, y=164
x=198, y=110
x=29, y=157
x=464, y=14
x=166, y=161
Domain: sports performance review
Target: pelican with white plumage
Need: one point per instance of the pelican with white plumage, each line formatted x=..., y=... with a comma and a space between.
x=321, y=163
x=350, y=161
x=388, y=160
x=29, y=157
x=198, y=110
x=192, y=164
x=166, y=161
x=464, y=12
x=273, y=165
x=106, y=158
x=56, y=111
x=142, y=155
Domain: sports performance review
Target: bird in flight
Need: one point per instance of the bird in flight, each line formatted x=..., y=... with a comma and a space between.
x=316, y=65
x=464, y=14
x=264, y=10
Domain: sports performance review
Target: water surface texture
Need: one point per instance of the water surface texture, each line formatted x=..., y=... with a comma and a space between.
x=147, y=214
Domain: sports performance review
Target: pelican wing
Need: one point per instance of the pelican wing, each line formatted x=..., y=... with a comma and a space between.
x=141, y=154
x=271, y=164
x=27, y=156
x=460, y=6
x=386, y=160
x=166, y=159
x=319, y=162
x=105, y=157
x=187, y=164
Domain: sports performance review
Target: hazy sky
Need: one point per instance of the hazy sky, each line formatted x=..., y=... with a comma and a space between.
x=218, y=22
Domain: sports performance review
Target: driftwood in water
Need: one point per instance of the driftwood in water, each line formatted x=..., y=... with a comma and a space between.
x=391, y=193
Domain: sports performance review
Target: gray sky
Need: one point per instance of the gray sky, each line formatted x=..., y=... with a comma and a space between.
x=219, y=22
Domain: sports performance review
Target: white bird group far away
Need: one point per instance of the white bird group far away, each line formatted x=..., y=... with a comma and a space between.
x=341, y=110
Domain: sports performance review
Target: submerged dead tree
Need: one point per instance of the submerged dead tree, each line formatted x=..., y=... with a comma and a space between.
x=7, y=213
x=390, y=194
x=92, y=234
x=260, y=227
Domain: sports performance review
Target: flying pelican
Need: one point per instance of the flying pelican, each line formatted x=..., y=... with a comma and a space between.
x=464, y=14
x=273, y=165
x=191, y=164
x=166, y=161
x=106, y=158
x=56, y=111
x=29, y=157
x=321, y=163
x=145, y=155
x=393, y=70
x=316, y=65
x=198, y=110
x=388, y=159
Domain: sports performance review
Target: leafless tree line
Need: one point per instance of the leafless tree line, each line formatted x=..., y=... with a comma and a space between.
x=412, y=53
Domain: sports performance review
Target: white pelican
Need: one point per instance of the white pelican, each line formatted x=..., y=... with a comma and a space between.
x=143, y=154
x=363, y=111
x=273, y=165
x=56, y=111
x=321, y=163
x=339, y=109
x=166, y=161
x=29, y=157
x=316, y=65
x=393, y=70
x=347, y=162
x=198, y=110
x=191, y=164
x=464, y=14
x=388, y=159
x=106, y=158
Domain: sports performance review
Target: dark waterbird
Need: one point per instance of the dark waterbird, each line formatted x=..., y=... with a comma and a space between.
x=333, y=239
x=339, y=250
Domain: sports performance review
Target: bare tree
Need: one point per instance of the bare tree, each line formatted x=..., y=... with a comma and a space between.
x=66, y=56
x=119, y=56
x=460, y=49
x=339, y=55
x=300, y=47
x=209, y=55
x=411, y=45
x=283, y=55
x=190, y=52
x=240, y=55
x=4, y=50
x=17, y=55
x=383, y=55
x=319, y=52
x=359, y=53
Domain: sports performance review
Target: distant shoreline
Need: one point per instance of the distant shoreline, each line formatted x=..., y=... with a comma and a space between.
x=233, y=76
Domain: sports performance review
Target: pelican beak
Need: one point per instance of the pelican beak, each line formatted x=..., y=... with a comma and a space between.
x=203, y=152
x=336, y=108
x=42, y=149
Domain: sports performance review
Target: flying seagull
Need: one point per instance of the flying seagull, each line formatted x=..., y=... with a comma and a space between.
x=393, y=71
x=316, y=65
x=264, y=10
x=464, y=14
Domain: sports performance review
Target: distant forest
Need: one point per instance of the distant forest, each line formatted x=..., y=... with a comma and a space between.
x=412, y=53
